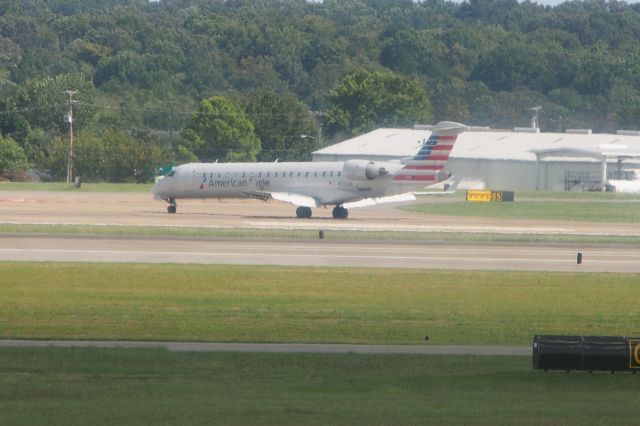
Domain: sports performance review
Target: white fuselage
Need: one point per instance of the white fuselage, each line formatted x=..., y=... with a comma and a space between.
x=325, y=182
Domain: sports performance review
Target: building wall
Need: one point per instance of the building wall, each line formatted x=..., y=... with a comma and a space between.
x=509, y=175
x=524, y=175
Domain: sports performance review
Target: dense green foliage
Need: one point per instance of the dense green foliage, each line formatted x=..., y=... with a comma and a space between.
x=12, y=157
x=220, y=130
x=366, y=100
x=107, y=154
x=144, y=67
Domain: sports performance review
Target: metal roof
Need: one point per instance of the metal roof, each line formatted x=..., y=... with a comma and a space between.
x=490, y=145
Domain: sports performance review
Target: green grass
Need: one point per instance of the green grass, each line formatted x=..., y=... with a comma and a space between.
x=205, y=232
x=288, y=304
x=591, y=211
x=138, y=386
x=570, y=196
x=161, y=231
x=85, y=187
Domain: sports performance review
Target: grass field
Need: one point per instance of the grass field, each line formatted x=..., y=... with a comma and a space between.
x=285, y=304
x=206, y=232
x=591, y=211
x=116, y=386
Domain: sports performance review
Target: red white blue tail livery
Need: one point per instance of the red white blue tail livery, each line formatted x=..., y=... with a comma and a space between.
x=427, y=165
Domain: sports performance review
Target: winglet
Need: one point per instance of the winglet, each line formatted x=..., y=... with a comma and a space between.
x=449, y=128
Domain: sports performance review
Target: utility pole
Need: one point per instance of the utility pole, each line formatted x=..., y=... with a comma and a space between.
x=317, y=115
x=534, y=116
x=70, y=93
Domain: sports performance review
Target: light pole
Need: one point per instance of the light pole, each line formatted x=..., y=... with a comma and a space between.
x=318, y=138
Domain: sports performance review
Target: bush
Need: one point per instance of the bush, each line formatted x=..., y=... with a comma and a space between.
x=13, y=160
x=108, y=156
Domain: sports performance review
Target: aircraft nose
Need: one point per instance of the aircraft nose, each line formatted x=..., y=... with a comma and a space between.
x=158, y=187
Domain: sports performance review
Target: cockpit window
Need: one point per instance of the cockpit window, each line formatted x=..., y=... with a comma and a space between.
x=171, y=173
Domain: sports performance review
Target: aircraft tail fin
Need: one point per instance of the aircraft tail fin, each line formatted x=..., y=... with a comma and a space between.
x=427, y=166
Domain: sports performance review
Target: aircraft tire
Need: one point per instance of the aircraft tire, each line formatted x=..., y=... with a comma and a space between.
x=171, y=209
x=340, y=212
x=303, y=212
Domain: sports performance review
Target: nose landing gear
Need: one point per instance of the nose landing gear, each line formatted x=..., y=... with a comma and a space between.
x=172, y=206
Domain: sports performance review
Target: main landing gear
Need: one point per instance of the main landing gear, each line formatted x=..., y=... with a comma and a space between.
x=172, y=206
x=340, y=212
x=303, y=212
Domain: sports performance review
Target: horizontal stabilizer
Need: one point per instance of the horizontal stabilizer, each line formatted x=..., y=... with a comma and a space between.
x=380, y=200
x=453, y=181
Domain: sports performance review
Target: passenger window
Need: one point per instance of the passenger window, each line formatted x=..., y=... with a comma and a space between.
x=339, y=174
x=275, y=175
x=260, y=174
x=331, y=174
x=268, y=174
x=299, y=174
x=243, y=174
x=324, y=174
x=315, y=174
x=219, y=175
x=290, y=174
x=306, y=174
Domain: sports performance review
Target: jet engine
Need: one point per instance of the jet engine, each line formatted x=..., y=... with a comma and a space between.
x=362, y=170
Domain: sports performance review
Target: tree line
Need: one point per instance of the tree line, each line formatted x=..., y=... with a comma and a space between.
x=239, y=80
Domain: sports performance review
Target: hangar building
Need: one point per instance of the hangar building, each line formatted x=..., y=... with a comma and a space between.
x=522, y=159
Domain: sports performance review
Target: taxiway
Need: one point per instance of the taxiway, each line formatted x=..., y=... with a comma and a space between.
x=300, y=252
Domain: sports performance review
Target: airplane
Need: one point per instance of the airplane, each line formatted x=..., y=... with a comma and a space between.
x=343, y=184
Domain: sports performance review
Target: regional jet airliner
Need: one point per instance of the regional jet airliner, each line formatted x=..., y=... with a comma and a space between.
x=343, y=184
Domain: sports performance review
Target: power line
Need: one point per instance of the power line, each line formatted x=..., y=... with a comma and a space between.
x=123, y=107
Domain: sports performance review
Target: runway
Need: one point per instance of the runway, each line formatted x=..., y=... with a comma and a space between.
x=300, y=252
x=277, y=347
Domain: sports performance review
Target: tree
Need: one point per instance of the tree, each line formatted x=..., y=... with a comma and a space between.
x=221, y=130
x=12, y=123
x=9, y=57
x=281, y=122
x=366, y=100
x=13, y=160
x=514, y=65
x=45, y=102
x=110, y=155
x=411, y=52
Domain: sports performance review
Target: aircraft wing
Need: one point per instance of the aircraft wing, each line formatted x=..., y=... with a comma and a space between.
x=408, y=196
x=287, y=197
x=295, y=199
